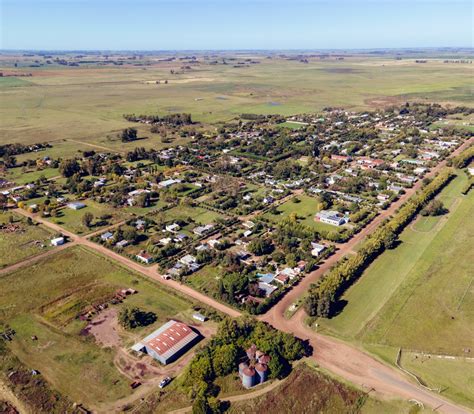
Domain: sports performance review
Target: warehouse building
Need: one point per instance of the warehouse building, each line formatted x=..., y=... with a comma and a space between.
x=169, y=342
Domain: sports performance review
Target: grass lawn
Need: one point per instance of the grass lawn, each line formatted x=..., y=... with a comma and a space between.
x=198, y=214
x=420, y=295
x=205, y=280
x=305, y=211
x=44, y=299
x=14, y=247
x=19, y=177
x=291, y=125
x=72, y=219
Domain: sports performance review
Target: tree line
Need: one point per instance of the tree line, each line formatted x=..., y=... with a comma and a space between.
x=324, y=296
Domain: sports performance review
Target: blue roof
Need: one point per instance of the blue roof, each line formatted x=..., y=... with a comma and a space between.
x=266, y=277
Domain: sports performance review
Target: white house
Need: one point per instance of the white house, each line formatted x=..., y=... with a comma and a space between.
x=58, y=241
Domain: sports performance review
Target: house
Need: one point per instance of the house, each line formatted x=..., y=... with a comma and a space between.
x=395, y=188
x=265, y=277
x=383, y=197
x=168, y=342
x=58, y=241
x=145, y=257
x=282, y=278
x=248, y=233
x=248, y=224
x=172, y=228
x=167, y=183
x=164, y=241
x=187, y=260
x=332, y=217
x=76, y=205
x=201, y=230
x=267, y=288
x=106, y=236
x=343, y=158
x=122, y=243
x=317, y=249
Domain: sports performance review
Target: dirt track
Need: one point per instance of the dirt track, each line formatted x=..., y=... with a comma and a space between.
x=338, y=357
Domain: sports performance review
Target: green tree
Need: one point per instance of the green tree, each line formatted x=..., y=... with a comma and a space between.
x=224, y=359
x=87, y=219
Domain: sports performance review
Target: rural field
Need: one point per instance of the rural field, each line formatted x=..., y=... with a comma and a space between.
x=20, y=240
x=61, y=287
x=411, y=298
x=296, y=395
x=84, y=105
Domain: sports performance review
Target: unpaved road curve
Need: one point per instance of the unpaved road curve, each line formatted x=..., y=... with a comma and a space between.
x=337, y=356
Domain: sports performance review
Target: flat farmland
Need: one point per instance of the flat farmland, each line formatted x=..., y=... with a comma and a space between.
x=410, y=297
x=87, y=103
x=44, y=300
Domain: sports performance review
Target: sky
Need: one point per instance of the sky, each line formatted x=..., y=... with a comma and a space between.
x=234, y=24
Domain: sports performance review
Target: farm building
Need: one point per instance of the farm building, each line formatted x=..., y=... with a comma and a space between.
x=170, y=341
x=76, y=205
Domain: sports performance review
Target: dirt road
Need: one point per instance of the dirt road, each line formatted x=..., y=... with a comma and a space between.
x=338, y=357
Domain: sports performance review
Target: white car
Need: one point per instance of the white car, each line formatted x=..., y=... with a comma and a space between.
x=164, y=382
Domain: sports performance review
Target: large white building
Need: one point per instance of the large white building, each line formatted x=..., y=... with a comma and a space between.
x=332, y=217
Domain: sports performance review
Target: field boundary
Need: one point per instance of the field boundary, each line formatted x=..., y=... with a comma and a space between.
x=418, y=379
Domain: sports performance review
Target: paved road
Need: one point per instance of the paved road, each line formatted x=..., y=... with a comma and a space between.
x=338, y=357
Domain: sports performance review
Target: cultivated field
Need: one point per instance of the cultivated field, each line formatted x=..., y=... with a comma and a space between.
x=410, y=297
x=44, y=300
x=86, y=104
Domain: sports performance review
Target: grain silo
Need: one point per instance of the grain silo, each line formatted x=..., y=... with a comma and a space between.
x=262, y=373
x=248, y=377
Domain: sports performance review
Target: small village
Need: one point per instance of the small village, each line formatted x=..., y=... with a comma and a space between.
x=239, y=217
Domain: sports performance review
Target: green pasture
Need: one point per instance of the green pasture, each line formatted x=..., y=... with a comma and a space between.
x=15, y=247
x=87, y=104
x=44, y=299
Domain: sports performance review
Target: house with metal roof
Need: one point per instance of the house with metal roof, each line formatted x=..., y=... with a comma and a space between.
x=169, y=342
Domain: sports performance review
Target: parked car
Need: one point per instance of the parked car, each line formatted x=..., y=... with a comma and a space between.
x=164, y=382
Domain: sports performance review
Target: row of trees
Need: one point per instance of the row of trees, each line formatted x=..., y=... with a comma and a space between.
x=323, y=297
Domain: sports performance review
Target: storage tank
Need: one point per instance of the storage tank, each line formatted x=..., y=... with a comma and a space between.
x=248, y=377
x=262, y=372
x=242, y=366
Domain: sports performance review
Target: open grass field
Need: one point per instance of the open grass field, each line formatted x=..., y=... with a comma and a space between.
x=21, y=177
x=72, y=219
x=16, y=246
x=305, y=211
x=410, y=297
x=87, y=103
x=44, y=299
